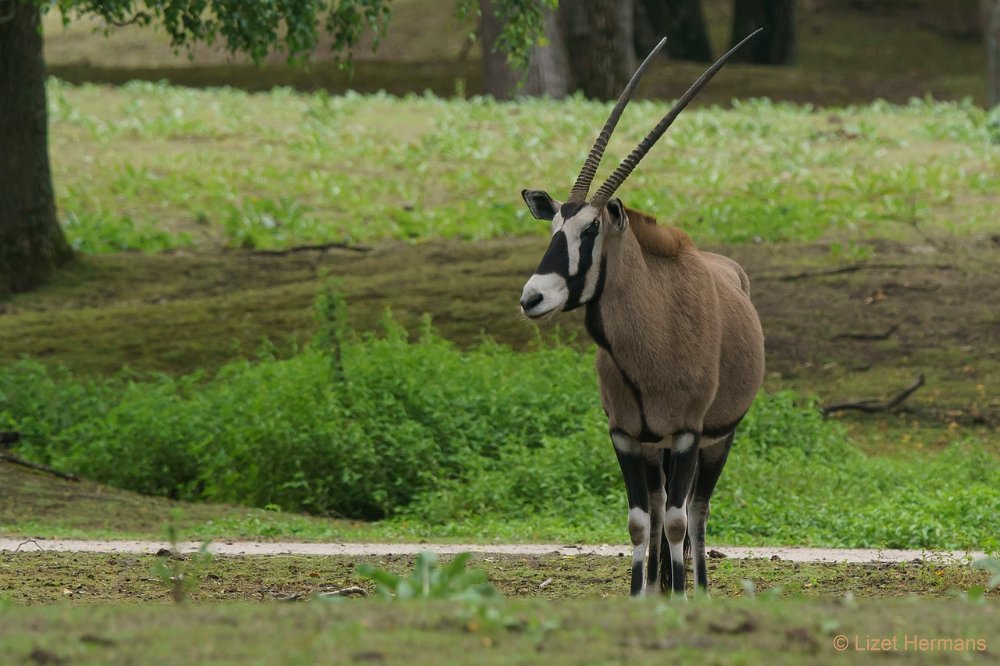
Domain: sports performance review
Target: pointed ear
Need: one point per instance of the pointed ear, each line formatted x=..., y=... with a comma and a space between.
x=541, y=205
x=616, y=215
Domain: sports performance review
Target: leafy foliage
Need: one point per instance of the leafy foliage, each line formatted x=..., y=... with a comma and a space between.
x=254, y=28
x=428, y=581
x=292, y=26
x=490, y=443
x=522, y=22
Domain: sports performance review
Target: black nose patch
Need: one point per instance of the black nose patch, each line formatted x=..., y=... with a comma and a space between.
x=556, y=258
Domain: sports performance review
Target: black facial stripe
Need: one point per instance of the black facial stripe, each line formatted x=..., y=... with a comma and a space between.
x=556, y=258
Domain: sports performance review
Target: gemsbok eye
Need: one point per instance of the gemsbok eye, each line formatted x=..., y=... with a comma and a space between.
x=591, y=231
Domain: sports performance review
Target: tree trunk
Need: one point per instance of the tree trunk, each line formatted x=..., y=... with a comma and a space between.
x=774, y=46
x=991, y=34
x=600, y=45
x=681, y=21
x=499, y=79
x=32, y=244
x=548, y=69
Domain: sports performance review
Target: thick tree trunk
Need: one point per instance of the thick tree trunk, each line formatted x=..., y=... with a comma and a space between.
x=774, y=46
x=681, y=21
x=600, y=45
x=548, y=69
x=991, y=34
x=31, y=242
x=498, y=78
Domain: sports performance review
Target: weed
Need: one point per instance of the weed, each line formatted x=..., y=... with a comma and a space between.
x=991, y=564
x=429, y=581
x=178, y=574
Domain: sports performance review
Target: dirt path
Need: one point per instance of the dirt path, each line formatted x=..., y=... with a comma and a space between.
x=855, y=555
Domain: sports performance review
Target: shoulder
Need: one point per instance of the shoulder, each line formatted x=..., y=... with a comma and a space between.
x=655, y=239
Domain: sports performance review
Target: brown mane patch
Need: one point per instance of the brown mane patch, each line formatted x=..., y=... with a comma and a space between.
x=661, y=241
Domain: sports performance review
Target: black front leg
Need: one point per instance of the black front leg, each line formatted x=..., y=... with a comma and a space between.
x=683, y=468
x=633, y=468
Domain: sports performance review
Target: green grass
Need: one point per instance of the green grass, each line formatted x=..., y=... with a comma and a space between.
x=149, y=166
x=530, y=631
x=512, y=445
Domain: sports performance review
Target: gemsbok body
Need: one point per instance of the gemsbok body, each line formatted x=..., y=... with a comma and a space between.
x=680, y=348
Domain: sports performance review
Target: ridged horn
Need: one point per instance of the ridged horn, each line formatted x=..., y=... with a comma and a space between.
x=607, y=190
x=582, y=186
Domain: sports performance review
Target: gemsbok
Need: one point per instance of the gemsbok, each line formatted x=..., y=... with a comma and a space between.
x=680, y=348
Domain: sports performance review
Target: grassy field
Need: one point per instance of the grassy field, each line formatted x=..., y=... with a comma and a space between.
x=153, y=167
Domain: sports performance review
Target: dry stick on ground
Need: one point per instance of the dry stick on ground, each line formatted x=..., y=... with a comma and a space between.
x=322, y=247
x=14, y=460
x=852, y=268
x=872, y=406
x=867, y=336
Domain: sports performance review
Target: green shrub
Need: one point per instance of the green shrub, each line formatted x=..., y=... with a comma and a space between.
x=488, y=442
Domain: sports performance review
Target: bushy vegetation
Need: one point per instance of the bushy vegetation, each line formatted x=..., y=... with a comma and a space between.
x=149, y=166
x=485, y=442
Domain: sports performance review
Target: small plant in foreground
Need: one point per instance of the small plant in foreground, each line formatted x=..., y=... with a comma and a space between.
x=991, y=564
x=428, y=581
x=178, y=574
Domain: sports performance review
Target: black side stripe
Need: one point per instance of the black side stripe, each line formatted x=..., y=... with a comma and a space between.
x=721, y=431
x=595, y=327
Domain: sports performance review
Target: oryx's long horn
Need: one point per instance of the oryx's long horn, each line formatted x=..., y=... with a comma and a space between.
x=589, y=170
x=629, y=163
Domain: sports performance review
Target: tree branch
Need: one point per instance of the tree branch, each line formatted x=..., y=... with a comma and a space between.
x=851, y=268
x=872, y=406
x=143, y=17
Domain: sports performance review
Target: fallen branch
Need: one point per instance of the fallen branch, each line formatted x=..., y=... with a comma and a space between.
x=867, y=336
x=25, y=543
x=347, y=592
x=872, y=406
x=14, y=460
x=852, y=268
x=322, y=247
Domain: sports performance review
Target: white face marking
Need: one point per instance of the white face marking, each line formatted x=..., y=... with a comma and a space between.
x=553, y=288
x=554, y=292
